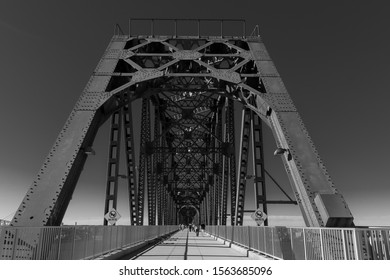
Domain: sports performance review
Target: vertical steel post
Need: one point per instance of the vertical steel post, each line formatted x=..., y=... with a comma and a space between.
x=130, y=159
x=145, y=137
x=304, y=243
x=355, y=245
x=153, y=177
x=322, y=245
x=344, y=244
x=225, y=166
x=225, y=184
x=219, y=189
x=232, y=162
x=243, y=165
x=113, y=163
x=151, y=189
x=213, y=179
x=157, y=160
x=258, y=164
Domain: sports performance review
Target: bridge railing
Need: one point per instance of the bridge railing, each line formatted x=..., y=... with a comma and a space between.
x=309, y=243
x=191, y=28
x=73, y=242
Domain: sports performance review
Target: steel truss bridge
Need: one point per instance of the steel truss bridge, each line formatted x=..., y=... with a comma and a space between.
x=190, y=168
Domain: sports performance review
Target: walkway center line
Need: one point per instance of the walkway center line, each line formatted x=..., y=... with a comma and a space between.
x=186, y=249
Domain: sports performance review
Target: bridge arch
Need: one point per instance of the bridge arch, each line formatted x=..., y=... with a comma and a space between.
x=231, y=69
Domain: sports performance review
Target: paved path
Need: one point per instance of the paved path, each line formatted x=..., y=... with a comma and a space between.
x=185, y=245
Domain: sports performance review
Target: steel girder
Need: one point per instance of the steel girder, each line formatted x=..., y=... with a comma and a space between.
x=113, y=163
x=130, y=160
x=260, y=191
x=157, y=167
x=219, y=175
x=189, y=72
x=143, y=159
x=243, y=159
x=232, y=161
x=225, y=175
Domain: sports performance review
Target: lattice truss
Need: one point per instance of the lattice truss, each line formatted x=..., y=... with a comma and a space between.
x=188, y=87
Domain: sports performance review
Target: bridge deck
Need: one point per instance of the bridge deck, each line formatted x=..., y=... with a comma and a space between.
x=186, y=245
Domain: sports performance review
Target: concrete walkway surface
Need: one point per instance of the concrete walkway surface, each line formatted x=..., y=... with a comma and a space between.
x=185, y=245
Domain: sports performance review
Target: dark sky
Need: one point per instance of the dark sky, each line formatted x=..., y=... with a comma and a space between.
x=332, y=56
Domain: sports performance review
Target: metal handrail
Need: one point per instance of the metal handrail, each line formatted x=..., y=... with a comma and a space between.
x=73, y=242
x=177, y=20
x=309, y=243
x=85, y=242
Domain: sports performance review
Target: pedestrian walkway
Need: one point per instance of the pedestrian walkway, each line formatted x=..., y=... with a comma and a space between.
x=185, y=245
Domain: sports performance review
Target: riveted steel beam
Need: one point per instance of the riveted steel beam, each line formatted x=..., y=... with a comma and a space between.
x=130, y=159
x=157, y=168
x=243, y=159
x=114, y=152
x=225, y=167
x=143, y=158
x=232, y=162
x=259, y=184
x=219, y=175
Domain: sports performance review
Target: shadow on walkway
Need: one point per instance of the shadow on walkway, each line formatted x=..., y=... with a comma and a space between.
x=185, y=245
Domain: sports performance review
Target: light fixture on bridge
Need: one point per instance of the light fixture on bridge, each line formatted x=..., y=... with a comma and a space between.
x=89, y=151
x=281, y=151
x=269, y=112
